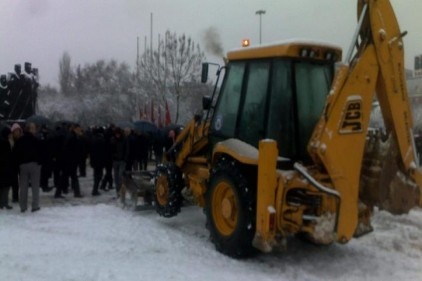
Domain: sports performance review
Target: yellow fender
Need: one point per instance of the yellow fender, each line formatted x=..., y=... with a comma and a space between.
x=237, y=149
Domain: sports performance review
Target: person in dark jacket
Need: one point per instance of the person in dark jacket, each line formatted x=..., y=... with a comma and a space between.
x=56, y=141
x=98, y=157
x=142, y=147
x=118, y=144
x=46, y=158
x=27, y=156
x=107, y=181
x=6, y=167
x=130, y=149
x=83, y=156
x=158, y=146
x=17, y=133
x=71, y=156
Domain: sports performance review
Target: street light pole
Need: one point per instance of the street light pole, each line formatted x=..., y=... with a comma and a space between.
x=260, y=13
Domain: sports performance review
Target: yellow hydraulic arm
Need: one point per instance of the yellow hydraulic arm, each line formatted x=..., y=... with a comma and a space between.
x=338, y=140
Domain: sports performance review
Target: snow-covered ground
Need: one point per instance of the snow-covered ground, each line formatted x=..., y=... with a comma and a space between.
x=96, y=239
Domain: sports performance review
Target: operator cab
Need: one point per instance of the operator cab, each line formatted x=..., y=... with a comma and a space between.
x=277, y=92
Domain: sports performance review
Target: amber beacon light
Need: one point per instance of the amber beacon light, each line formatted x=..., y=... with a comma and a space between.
x=245, y=43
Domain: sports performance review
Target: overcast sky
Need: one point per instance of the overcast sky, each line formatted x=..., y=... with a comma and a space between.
x=40, y=31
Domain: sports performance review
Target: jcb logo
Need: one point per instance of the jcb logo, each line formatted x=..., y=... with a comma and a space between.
x=352, y=118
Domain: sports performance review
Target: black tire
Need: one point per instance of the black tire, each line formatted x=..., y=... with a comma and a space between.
x=168, y=197
x=232, y=235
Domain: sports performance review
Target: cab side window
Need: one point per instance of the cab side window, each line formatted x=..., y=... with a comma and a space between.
x=281, y=120
x=225, y=117
x=252, y=119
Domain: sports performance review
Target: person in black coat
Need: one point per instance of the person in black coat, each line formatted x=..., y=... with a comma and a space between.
x=107, y=181
x=142, y=147
x=98, y=157
x=130, y=149
x=71, y=156
x=84, y=144
x=17, y=133
x=56, y=142
x=158, y=146
x=46, y=158
x=6, y=167
x=119, y=152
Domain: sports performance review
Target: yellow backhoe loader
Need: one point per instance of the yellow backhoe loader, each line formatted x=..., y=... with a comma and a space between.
x=279, y=149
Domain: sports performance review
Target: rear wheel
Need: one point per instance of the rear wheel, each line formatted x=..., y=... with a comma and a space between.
x=230, y=209
x=167, y=194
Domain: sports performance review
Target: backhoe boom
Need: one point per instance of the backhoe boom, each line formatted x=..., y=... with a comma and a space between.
x=338, y=141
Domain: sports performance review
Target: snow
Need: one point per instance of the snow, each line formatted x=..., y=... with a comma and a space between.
x=324, y=228
x=271, y=209
x=97, y=239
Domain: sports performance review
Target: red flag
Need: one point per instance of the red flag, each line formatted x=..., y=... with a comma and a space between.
x=160, y=122
x=168, y=117
x=152, y=111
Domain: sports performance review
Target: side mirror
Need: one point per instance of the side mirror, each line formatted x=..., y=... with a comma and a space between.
x=206, y=102
x=204, y=74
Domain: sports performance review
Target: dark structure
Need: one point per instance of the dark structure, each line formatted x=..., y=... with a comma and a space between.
x=18, y=93
x=4, y=97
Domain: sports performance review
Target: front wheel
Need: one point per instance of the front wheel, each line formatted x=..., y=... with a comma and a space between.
x=230, y=209
x=168, y=190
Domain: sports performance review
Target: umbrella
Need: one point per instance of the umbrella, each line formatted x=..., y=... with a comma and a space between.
x=145, y=127
x=125, y=124
x=39, y=120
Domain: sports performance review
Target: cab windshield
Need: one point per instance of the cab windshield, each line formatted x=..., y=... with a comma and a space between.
x=281, y=99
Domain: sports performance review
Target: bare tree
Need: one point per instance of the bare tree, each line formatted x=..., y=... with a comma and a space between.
x=97, y=93
x=153, y=73
x=65, y=74
x=176, y=61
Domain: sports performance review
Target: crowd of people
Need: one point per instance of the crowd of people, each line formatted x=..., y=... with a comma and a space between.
x=34, y=156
